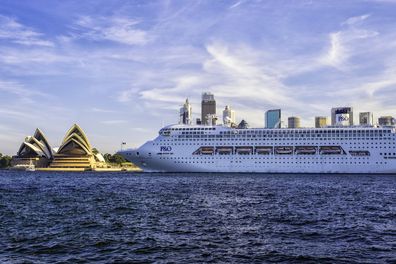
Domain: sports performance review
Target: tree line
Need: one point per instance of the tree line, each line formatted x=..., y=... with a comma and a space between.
x=109, y=158
x=5, y=161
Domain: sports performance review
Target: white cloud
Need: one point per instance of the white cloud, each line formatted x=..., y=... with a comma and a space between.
x=100, y=110
x=238, y=3
x=337, y=53
x=14, y=56
x=15, y=32
x=19, y=90
x=114, y=122
x=118, y=29
x=347, y=43
x=356, y=19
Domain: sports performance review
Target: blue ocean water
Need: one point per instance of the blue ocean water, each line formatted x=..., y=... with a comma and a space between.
x=196, y=218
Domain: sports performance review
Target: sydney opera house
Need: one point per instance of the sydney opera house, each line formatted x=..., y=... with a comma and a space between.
x=75, y=152
x=35, y=149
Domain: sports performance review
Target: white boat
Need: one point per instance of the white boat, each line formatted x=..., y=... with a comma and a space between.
x=24, y=167
x=194, y=148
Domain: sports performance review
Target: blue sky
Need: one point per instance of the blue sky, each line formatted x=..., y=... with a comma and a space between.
x=122, y=69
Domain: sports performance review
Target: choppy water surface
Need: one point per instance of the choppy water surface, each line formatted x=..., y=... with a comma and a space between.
x=195, y=218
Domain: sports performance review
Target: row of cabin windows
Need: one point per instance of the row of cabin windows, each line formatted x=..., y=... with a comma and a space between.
x=284, y=162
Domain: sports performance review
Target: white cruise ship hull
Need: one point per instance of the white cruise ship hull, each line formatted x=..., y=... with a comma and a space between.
x=341, y=150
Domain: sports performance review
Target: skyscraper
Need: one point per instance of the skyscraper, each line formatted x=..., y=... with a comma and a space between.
x=294, y=122
x=208, y=109
x=186, y=114
x=273, y=118
x=320, y=121
x=342, y=116
x=366, y=118
x=228, y=116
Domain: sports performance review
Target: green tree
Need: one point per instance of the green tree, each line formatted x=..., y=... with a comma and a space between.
x=107, y=157
x=117, y=158
x=95, y=151
x=5, y=161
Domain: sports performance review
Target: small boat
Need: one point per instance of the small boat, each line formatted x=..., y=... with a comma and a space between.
x=20, y=167
x=264, y=150
x=244, y=150
x=284, y=150
x=305, y=150
x=331, y=150
x=207, y=150
x=359, y=153
x=224, y=150
x=31, y=167
x=24, y=167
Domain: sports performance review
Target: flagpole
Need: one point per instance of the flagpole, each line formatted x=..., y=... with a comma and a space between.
x=122, y=143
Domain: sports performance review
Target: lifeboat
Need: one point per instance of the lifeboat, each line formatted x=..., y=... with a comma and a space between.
x=359, y=153
x=244, y=150
x=224, y=150
x=204, y=151
x=207, y=150
x=263, y=150
x=305, y=150
x=287, y=150
x=331, y=150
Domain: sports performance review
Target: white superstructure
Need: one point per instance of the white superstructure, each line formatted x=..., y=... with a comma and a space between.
x=186, y=148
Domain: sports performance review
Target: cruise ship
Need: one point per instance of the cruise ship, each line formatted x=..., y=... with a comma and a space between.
x=203, y=148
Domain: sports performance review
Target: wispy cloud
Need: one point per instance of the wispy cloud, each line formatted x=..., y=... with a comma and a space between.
x=19, y=90
x=12, y=30
x=343, y=44
x=100, y=110
x=114, y=122
x=238, y=3
x=118, y=29
x=356, y=19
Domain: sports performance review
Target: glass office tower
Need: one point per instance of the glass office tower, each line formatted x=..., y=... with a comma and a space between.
x=273, y=118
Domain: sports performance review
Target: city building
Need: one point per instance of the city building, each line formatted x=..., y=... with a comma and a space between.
x=342, y=116
x=366, y=119
x=198, y=121
x=186, y=114
x=294, y=122
x=320, y=121
x=273, y=118
x=208, y=109
x=386, y=121
x=228, y=116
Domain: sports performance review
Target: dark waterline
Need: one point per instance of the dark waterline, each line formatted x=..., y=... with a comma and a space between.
x=195, y=218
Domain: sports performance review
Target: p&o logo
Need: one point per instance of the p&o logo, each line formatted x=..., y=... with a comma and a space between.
x=166, y=148
x=343, y=118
